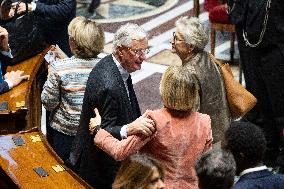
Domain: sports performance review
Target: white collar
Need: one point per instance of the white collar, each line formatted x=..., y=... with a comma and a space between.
x=124, y=74
x=254, y=169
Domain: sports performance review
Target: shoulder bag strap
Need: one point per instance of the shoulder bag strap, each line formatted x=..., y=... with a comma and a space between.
x=215, y=60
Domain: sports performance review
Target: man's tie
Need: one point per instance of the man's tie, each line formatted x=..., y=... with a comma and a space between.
x=132, y=98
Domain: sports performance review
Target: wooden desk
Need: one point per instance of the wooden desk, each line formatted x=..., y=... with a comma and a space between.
x=17, y=164
x=29, y=115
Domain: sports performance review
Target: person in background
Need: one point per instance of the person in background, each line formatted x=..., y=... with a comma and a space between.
x=247, y=143
x=181, y=137
x=54, y=17
x=13, y=78
x=188, y=43
x=216, y=169
x=260, y=34
x=64, y=89
x=139, y=172
x=109, y=88
x=94, y=4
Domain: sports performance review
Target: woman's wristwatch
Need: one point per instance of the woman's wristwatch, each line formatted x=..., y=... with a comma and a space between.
x=95, y=130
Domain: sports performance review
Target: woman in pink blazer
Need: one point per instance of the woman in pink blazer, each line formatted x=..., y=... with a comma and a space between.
x=181, y=134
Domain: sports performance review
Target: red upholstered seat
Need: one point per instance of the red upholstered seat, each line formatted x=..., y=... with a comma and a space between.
x=219, y=15
x=210, y=4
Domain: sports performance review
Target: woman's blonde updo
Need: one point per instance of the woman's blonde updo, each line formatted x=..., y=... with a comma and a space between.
x=179, y=89
x=87, y=36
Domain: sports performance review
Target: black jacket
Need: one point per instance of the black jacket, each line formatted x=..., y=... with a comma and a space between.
x=4, y=87
x=105, y=90
x=260, y=179
x=54, y=17
x=250, y=14
x=5, y=61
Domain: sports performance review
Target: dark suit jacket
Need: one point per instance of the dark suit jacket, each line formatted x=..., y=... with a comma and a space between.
x=260, y=180
x=5, y=61
x=54, y=17
x=4, y=87
x=250, y=15
x=105, y=90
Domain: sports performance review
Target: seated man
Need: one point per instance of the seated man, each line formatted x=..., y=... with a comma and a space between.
x=216, y=170
x=13, y=78
x=247, y=143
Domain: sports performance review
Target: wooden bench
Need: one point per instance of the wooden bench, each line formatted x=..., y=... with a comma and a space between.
x=24, y=104
x=18, y=163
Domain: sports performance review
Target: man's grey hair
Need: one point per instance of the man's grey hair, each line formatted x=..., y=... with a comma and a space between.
x=126, y=33
x=216, y=169
x=193, y=31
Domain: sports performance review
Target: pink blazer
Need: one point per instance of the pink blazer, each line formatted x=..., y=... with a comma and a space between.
x=177, y=144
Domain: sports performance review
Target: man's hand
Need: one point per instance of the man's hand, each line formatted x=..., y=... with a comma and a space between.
x=22, y=7
x=4, y=45
x=16, y=77
x=141, y=125
x=94, y=122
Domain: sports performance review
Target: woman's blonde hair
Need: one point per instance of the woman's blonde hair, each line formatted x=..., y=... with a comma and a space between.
x=179, y=89
x=136, y=172
x=88, y=37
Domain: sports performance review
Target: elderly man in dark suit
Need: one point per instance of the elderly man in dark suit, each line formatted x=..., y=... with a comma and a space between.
x=247, y=143
x=109, y=88
x=11, y=79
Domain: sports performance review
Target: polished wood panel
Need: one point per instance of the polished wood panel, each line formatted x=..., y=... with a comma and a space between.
x=29, y=115
x=18, y=163
x=196, y=8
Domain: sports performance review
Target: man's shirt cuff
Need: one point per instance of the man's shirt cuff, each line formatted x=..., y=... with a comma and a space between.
x=33, y=6
x=123, y=132
x=10, y=84
x=7, y=53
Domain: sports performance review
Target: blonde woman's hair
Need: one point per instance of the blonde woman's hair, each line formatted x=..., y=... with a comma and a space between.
x=88, y=37
x=193, y=32
x=179, y=89
x=126, y=33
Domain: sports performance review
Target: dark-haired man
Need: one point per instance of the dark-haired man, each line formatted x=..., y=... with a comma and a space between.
x=216, y=170
x=247, y=143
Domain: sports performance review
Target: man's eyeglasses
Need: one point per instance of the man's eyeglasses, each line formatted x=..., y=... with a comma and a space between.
x=139, y=52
